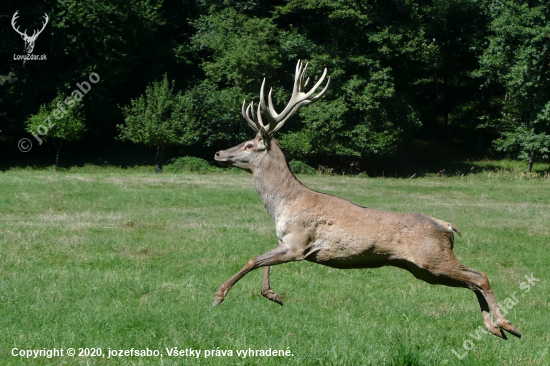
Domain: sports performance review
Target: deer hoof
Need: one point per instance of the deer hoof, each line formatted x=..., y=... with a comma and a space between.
x=271, y=295
x=217, y=300
x=514, y=332
x=220, y=295
x=498, y=332
x=278, y=300
x=509, y=327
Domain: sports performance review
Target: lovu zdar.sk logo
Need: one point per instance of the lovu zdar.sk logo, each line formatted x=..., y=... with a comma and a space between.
x=29, y=40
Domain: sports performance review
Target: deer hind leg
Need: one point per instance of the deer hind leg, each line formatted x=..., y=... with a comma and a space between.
x=276, y=256
x=487, y=319
x=454, y=274
x=486, y=294
x=266, y=288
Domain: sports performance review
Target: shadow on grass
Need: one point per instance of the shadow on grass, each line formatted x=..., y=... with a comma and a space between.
x=115, y=155
x=421, y=159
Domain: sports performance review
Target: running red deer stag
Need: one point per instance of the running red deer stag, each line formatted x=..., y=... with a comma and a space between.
x=332, y=231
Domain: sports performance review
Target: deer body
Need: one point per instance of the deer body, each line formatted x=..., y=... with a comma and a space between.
x=336, y=232
x=332, y=231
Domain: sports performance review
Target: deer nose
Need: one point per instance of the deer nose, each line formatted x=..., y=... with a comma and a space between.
x=217, y=156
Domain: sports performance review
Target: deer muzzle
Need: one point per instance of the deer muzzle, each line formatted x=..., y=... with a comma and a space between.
x=222, y=157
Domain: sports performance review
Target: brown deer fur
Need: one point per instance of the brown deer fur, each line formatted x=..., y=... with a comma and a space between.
x=332, y=231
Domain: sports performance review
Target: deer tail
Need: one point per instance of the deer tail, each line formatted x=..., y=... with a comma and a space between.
x=454, y=228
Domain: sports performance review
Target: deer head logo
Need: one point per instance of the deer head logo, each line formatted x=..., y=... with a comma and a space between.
x=29, y=41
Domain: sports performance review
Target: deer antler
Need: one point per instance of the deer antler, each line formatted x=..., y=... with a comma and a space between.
x=37, y=33
x=15, y=16
x=255, y=120
x=298, y=99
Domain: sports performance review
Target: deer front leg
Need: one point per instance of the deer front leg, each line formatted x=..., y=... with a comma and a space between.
x=276, y=256
x=266, y=288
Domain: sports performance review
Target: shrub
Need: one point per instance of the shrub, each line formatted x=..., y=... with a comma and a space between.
x=190, y=164
x=299, y=167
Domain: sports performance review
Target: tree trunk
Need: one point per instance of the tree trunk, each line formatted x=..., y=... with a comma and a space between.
x=158, y=161
x=433, y=131
x=480, y=142
x=445, y=107
x=530, y=162
x=481, y=131
x=58, y=147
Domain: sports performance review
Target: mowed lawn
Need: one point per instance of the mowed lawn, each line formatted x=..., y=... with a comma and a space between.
x=123, y=259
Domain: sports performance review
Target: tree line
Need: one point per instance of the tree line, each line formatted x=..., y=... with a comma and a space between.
x=470, y=74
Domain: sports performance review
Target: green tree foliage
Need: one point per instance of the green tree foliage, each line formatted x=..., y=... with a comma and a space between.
x=155, y=119
x=60, y=121
x=362, y=114
x=128, y=43
x=518, y=58
x=6, y=91
x=445, y=95
x=243, y=49
x=213, y=115
x=404, y=73
x=238, y=51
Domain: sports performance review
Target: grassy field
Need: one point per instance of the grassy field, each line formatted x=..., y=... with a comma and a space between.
x=117, y=259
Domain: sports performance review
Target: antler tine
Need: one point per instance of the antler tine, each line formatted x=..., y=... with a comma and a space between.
x=321, y=93
x=251, y=107
x=255, y=122
x=262, y=100
x=298, y=99
x=13, y=19
x=257, y=118
x=283, y=121
x=246, y=118
x=302, y=75
x=317, y=84
x=43, y=24
x=304, y=102
x=297, y=75
x=271, y=108
x=271, y=114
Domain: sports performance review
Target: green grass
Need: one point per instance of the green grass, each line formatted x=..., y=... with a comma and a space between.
x=127, y=259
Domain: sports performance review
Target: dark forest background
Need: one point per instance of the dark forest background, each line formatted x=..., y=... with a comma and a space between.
x=412, y=82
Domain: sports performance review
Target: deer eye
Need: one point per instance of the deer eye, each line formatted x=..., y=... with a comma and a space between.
x=249, y=146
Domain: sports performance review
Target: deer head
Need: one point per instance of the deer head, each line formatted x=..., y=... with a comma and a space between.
x=248, y=154
x=29, y=41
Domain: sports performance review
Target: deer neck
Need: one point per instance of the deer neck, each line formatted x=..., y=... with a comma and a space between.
x=274, y=181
